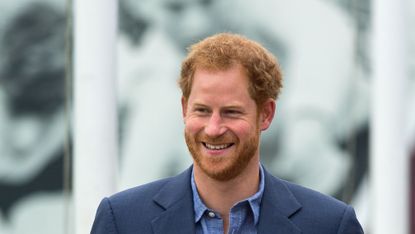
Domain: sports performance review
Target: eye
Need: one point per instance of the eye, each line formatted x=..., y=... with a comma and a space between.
x=232, y=113
x=201, y=110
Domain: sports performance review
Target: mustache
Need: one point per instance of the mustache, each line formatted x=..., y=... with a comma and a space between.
x=226, y=138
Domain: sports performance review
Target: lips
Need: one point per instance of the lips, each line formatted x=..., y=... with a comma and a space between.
x=217, y=146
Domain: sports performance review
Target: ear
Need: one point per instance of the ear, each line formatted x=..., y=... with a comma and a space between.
x=184, y=107
x=267, y=114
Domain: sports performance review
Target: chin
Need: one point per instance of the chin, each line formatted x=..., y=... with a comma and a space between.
x=224, y=171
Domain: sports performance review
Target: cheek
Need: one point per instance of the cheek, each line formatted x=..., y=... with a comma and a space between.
x=193, y=126
x=242, y=130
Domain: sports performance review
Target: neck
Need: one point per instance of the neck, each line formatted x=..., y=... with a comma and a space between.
x=222, y=195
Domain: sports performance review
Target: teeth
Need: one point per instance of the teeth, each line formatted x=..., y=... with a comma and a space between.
x=217, y=147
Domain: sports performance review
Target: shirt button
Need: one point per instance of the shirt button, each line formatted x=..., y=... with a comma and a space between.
x=211, y=214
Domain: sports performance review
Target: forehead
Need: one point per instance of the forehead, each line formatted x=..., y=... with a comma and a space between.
x=229, y=84
x=233, y=75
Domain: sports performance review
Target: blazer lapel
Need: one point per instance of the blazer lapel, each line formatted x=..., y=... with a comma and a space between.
x=278, y=204
x=177, y=199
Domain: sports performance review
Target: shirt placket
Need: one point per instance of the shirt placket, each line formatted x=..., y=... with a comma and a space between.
x=212, y=222
x=237, y=217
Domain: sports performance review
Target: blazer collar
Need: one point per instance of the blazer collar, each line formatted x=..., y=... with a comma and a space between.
x=277, y=206
x=177, y=200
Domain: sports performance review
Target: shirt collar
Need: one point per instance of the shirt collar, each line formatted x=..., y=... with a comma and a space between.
x=254, y=200
x=199, y=206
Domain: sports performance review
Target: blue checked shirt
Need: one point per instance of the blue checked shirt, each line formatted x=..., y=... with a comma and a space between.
x=243, y=217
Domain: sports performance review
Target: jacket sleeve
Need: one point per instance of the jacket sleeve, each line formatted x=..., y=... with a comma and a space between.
x=104, y=222
x=349, y=223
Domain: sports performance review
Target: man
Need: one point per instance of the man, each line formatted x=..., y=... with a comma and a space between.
x=229, y=86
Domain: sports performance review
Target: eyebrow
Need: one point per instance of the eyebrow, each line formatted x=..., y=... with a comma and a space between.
x=200, y=105
x=224, y=107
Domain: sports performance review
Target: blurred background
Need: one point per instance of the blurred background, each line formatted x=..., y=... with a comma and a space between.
x=320, y=137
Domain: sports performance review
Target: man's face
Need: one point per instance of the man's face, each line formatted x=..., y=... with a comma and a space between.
x=221, y=123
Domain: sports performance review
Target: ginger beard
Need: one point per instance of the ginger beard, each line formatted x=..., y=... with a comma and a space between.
x=223, y=168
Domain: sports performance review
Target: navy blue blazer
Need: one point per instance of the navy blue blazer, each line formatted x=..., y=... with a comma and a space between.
x=166, y=207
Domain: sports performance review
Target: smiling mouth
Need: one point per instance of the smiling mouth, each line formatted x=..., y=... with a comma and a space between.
x=217, y=147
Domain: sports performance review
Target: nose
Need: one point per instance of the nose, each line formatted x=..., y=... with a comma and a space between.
x=214, y=126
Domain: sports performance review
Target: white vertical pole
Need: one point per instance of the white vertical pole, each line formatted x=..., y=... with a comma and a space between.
x=95, y=118
x=389, y=167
